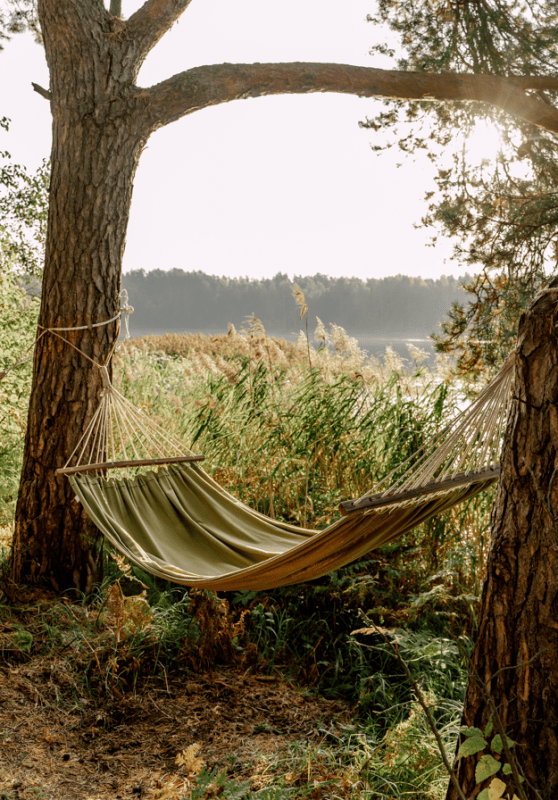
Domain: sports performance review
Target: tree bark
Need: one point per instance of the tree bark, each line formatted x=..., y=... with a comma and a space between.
x=210, y=85
x=97, y=142
x=516, y=650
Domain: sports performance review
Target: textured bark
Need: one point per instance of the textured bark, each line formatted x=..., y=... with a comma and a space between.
x=516, y=650
x=101, y=121
x=220, y=83
x=97, y=140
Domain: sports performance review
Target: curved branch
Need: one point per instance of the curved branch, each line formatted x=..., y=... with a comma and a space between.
x=538, y=82
x=150, y=23
x=206, y=86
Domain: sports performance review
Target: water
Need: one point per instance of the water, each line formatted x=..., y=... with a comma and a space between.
x=373, y=344
x=376, y=345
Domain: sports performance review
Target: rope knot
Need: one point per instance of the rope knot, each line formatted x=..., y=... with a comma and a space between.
x=126, y=309
x=105, y=378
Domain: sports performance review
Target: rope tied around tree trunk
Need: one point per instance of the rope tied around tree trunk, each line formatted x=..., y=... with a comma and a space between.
x=124, y=311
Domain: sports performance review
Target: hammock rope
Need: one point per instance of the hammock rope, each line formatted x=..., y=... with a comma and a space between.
x=468, y=446
x=124, y=311
x=120, y=436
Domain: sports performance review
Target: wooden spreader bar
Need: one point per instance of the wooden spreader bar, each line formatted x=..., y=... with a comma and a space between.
x=142, y=462
x=382, y=499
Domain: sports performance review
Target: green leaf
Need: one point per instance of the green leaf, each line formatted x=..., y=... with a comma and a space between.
x=507, y=770
x=472, y=745
x=497, y=744
x=483, y=795
x=488, y=729
x=470, y=731
x=486, y=767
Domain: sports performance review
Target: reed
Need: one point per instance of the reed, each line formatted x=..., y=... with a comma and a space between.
x=291, y=439
x=263, y=417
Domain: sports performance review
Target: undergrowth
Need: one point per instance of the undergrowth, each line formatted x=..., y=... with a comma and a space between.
x=115, y=644
x=18, y=315
x=291, y=430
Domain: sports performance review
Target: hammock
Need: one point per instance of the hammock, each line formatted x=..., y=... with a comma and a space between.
x=170, y=518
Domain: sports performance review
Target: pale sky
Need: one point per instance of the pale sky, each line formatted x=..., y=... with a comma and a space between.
x=256, y=187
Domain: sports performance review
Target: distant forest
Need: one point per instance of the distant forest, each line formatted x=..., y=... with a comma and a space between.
x=178, y=301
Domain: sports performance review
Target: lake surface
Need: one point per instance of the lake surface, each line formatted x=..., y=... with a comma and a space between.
x=373, y=344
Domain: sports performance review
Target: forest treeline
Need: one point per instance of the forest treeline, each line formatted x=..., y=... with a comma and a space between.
x=176, y=300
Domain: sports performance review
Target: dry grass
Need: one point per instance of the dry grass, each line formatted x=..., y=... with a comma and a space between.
x=55, y=748
x=6, y=534
x=85, y=715
x=226, y=345
x=332, y=353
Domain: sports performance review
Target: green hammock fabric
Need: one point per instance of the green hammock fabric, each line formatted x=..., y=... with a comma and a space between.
x=179, y=524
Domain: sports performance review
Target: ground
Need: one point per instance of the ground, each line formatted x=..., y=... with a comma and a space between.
x=149, y=744
x=59, y=741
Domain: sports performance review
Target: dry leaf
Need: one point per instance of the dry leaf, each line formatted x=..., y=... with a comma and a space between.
x=189, y=759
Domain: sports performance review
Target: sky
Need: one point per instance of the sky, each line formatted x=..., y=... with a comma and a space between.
x=259, y=186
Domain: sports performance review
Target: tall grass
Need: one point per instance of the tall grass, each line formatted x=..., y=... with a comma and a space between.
x=264, y=418
x=294, y=436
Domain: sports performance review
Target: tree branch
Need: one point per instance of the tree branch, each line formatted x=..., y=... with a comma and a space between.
x=116, y=8
x=43, y=92
x=538, y=82
x=150, y=23
x=220, y=83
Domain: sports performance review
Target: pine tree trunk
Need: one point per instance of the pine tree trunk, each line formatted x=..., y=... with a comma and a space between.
x=96, y=147
x=516, y=650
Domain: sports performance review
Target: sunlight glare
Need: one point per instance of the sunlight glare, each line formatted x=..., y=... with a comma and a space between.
x=483, y=143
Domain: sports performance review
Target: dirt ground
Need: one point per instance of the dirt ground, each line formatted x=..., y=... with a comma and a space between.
x=152, y=744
